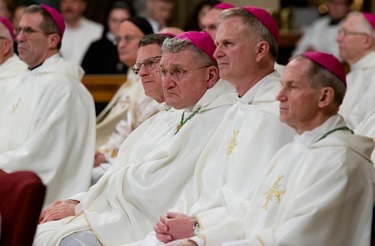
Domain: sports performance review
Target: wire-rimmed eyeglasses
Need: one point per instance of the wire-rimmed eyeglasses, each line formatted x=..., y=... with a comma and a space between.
x=177, y=73
x=345, y=32
x=27, y=31
x=149, y=63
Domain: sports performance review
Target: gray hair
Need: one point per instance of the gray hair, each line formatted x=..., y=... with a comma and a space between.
x=5, y=33
x=48, y=25
x=364, y=26
x=321, y=77
x=174, y=45
x=255, y=25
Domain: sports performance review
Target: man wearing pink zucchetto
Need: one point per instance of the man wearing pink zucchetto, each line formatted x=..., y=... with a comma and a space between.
x=48, y=117
x=236, y=158
x=356, y=42
x=11, y=67
x=158, y=159
x=319, y=188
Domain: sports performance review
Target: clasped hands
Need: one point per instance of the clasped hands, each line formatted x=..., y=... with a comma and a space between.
x=175, y=226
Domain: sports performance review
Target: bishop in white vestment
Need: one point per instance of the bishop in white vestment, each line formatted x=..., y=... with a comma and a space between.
x=319, y=189
x=156, y=161
x=48, y=126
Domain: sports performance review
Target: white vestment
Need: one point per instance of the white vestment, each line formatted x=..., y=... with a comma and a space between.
x=318, y=191
x=11, y=71
x=359, y=100
x=154, y=164
x=48, y=126
x=320, y=36
x=141, y=108
x=76, y=41
x=234, y=162
x=128, y=95
x=367, y=128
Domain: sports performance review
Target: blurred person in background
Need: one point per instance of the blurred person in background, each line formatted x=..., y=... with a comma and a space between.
x=102, y=56
x=356, y=41
x=194, y=21
x=321, y=35
x=159, y=12
x=80, y=32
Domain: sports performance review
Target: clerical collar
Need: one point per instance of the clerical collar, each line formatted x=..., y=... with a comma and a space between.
x=333, y=124
x=32, y=68
x=249, y=96
x=335, y=22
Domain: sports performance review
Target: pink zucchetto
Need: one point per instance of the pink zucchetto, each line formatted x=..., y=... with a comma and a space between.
x=329, y=62
x=202, y=40
x=224, y=6
x=370, y=18
x=8, y=25
x=267, y=20
x=56, y=17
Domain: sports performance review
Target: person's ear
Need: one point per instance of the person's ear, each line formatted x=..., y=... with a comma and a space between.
x=212, y=76
x=53, y=40
x=8, y=45
x=262, y=48
x=327, y=95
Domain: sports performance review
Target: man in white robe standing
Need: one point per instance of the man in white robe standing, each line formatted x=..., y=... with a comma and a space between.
x=158, y=159
x=12, y=68
x=48, y=117
x=319, y=189
x=356, y=40
x=236, y=157
x=80, y=32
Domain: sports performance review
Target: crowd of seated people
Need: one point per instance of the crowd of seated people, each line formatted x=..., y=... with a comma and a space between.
x=208, y=141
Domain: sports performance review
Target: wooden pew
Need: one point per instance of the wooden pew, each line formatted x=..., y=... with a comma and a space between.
x=103, y=87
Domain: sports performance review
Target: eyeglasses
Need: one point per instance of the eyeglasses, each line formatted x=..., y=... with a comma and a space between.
x=27, y=31
x=126, y=38
x=177, y=73
x=345, y=32
x=149, y=63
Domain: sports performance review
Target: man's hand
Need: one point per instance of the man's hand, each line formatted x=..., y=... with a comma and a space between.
x=58, y=210
x=99, y=159
x=174, y=226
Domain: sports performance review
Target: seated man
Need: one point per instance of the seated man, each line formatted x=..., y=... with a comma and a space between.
x=157, y=160
x=236, y=158
x=11, y=67
x=47, y=118
x=356, y=41
x=319, y=188
x=130, y=33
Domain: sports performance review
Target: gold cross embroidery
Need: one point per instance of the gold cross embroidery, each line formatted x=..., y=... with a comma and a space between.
x=14, y=107
x=232, y=143
x=273, y=191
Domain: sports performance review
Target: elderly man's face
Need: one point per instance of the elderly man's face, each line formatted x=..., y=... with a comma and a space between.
x=127, y=42
x=185, y=91
x=298, y=100
x=351, y=40
x=6, y=44
x=148, y=60
x=33, y=44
